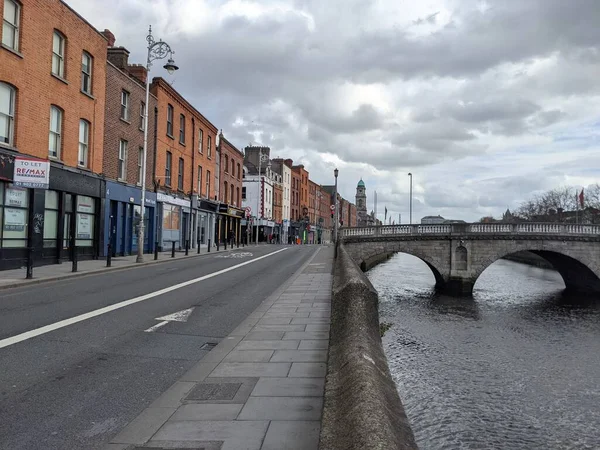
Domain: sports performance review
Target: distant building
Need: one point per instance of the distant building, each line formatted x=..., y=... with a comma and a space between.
x=364, y=219
x=432, y=220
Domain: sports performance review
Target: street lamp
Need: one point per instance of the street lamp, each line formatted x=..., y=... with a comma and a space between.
x=335, y=203
x=410, y=201
x=156, y=50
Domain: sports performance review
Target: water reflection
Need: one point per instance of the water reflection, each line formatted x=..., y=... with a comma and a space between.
x=515, y=367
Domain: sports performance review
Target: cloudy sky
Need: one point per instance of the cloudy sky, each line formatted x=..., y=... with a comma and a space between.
x=485, y=102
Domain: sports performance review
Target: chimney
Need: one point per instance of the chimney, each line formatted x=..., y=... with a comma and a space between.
x=110, y=37
x=288, y=162
x=138, y=72
x=119, y=56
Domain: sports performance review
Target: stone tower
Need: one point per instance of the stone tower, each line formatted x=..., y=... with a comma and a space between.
x=361, y=203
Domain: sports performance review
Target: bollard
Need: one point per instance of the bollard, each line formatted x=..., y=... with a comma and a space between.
x=155, y=250
x=217, y=245
x=29, y=274
x=74, y=268
x=225, y=244
x=187, y=247
x=209, y=246
x=198, y=246
x=109, y=255
x=173, y=249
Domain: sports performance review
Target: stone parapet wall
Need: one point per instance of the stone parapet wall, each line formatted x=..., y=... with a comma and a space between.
x=362, y=407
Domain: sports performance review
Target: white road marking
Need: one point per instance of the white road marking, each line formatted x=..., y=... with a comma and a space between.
x=98, y=312
x=156, y=327
x=179, y=316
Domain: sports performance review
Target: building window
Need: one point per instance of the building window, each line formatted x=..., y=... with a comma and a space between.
x=142, y=115
x=243, y=193
x=86, y=73
x=231, y=194
x=180, y=175
x=84, y=135
x=238, y=171
x=232, y=168
x=208, y=184
x=171, y=216
x=181, y=128
x=226, y=165
x=208, y=147
x=225, y=192
x=10, y=25
x=237, y=195
x=140, y=164
x=122, y=168
x=168, y=169
x=51, y=219
x=200, y=140
x=170, y=121
x=86, y=215
x=7, y=113
x=14, y=215
x=125, y=105
x=200, y=181
x=54, y=145
x=58, y=54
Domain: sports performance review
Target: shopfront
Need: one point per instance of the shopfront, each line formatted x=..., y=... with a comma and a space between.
x=206, y=212
x=229, y=224
x=47, y=210
x=174, y=221
x=122, y=213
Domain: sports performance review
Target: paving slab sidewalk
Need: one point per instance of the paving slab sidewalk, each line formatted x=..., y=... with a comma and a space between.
x=260, y=388
x=51, y=272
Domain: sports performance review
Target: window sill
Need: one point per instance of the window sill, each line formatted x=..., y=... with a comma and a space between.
x=125, y=120
x=141, y=129
x=182, y=143
x=55, y=159
x=9, y=147
x=59, y=78
x=12, y=50
x=170, y=136
x=87, y=94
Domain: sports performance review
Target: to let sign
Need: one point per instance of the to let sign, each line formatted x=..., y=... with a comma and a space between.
x=31, y=173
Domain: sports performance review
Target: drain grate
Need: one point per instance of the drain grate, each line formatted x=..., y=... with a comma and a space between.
x=214, y=391
x=208, y=346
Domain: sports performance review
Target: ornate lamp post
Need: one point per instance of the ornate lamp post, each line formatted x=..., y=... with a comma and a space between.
x=156, y=50
x=335, y=203
x=410, y=201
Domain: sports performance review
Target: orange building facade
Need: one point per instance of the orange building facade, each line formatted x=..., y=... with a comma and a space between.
x=52, y=91
x=185, y=171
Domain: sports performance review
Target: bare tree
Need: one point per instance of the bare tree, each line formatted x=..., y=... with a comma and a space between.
x=553, y=203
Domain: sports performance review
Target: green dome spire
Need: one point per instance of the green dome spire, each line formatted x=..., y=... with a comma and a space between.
x=361, y=183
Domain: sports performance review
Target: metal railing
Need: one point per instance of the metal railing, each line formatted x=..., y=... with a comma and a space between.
x=473, y=229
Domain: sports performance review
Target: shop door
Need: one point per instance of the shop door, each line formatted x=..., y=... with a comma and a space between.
x=114, y=214
x=184, y=230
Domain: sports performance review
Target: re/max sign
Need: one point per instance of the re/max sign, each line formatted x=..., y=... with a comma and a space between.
x=31, y=173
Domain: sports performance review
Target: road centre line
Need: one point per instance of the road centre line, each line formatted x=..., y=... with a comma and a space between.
x=64, y=323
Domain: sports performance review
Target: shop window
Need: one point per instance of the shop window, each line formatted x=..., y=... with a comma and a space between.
x=14, y=214
x=51, y=219
x=84, y=234
x=171, y=217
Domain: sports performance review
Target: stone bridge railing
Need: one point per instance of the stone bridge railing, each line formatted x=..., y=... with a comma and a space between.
x=552, y=229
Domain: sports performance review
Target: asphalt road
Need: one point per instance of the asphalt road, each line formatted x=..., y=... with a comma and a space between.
x=77, y=386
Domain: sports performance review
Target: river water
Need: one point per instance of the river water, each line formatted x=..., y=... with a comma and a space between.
x=515, y=367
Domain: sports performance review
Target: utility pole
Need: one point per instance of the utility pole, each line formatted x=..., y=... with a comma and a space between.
x=336, y=220
x=410, y=203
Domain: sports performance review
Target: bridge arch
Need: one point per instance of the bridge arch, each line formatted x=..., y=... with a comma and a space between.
x=578, y=270
x=369, y=255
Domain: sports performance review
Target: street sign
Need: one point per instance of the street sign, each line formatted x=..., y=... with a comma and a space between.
x=332, y=207
x=248, y=211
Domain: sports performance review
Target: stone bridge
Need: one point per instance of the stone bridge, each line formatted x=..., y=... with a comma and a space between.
x=458, y=253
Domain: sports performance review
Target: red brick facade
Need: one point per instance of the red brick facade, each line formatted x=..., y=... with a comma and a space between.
x=30, y=71
x=131, y=131
x=194, y=152
x=230, y=174
x=296, y=189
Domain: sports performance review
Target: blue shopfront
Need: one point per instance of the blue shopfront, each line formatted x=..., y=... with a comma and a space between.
x=122, y=218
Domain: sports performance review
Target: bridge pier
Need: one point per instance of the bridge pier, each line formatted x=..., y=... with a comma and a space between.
x=457, y=287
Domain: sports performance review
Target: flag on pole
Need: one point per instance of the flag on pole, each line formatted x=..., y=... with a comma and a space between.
x=581, y=198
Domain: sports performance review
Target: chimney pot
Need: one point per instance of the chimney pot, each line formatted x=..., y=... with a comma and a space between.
x=110, y=37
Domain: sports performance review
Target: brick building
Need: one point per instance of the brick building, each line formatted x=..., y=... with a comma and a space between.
x=185, y=170
x=312, y=212
x=125, y=108
x=303, y=210
x=52, y=89
x=230, y=195
x=296, y=192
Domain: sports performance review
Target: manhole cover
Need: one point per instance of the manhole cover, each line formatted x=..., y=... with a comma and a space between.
x=208, y=346
x=214, y=391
